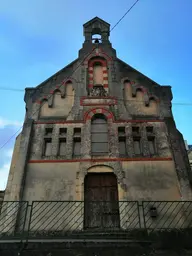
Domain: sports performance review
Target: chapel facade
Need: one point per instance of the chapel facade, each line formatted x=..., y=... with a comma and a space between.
x=99, y=130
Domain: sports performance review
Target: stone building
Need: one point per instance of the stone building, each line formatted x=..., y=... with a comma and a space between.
x=189, y=152
x=99, y=130
x=1, y=195
x=190, y=156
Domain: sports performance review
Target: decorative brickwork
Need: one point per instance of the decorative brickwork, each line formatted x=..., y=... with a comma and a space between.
x=154, y=165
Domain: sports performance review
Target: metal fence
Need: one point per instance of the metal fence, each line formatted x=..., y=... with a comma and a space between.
x=167, y=215
x=43, y=219
x=12, y=219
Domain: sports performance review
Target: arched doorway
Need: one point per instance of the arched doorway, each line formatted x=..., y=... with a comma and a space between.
x=101, y=201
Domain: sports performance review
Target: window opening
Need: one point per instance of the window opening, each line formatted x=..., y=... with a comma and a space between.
x=99, y=135
x=96, y=39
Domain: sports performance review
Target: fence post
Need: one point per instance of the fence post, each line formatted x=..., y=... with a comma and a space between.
x=140, y=214
x=28, y=222
x=143, y=215
x=25, y=219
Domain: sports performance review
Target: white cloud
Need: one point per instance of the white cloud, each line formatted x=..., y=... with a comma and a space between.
x=4, y=168
x=4, y=171
x=5, y=122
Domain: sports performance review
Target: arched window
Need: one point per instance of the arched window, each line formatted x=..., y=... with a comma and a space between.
x=97, y=73
x=57, y=100
x=96, y=39
x=127, y=90
x=99, y=135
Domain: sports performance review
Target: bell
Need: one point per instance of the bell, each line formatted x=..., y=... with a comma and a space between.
x=96, y=41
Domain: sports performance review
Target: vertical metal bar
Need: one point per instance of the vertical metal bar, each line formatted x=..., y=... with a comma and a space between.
x=190, y=214
x=144, y=215
x=17, y=217
x=25, y=217
x=29, y=223
x=138, y=212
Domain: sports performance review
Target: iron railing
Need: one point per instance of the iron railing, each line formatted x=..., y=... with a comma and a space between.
x=44, y=219
x=166, y=215
x=12, y=218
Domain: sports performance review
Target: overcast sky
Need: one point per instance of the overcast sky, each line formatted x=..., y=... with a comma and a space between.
x=39, y=37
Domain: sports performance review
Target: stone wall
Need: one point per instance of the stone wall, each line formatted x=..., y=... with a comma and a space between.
x=51, y=181
x=136, y=180
x=2, y=193
x=151, y=181
x=67, y=100
x=159, y=132
x=63, y=184
x=128, y=98
x=61, y=104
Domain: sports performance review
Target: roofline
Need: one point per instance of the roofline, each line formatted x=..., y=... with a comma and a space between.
x=140, y=73
x=57, y=73
x=94, y=19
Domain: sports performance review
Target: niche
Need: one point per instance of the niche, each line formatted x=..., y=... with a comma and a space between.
x=61, y=106
x=97, y=73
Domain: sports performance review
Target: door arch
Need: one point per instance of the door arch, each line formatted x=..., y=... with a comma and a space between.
x=101, y=209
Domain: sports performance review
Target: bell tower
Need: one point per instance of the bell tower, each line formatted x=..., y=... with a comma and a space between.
x=96, y=31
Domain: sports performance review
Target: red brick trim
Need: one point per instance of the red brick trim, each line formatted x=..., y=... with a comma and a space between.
x=57, y=88
x=94, y=97
x=110, y=116
x=100, y=54
x=105, y=86
x=114, y=101
x=153, y=97
x=68, y=80
x=99, y=104
x=124, y=79
x=142, y=88
x=106, y=112
x=100, y=160
x=92, y=62
x=42, y=99
x=83, y=121
x=89, y=117
x=94, y=111
x=60, y=122
x=139, y=121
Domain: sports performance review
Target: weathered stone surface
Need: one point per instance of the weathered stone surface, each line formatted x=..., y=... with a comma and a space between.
x=139, y=102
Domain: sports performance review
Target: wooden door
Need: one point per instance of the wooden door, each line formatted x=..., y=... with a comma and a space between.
x=101, y=201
